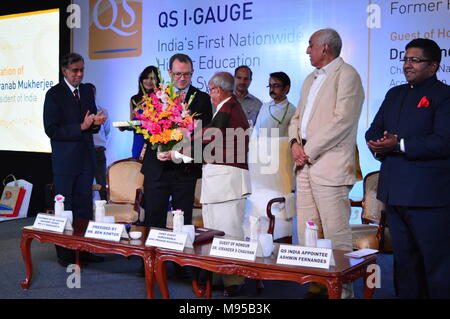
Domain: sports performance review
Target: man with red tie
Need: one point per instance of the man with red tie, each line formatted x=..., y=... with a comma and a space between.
x=70, y=119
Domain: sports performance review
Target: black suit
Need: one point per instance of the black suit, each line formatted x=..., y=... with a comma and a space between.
x=165, y=179
x=73, y=155
x=415, y=185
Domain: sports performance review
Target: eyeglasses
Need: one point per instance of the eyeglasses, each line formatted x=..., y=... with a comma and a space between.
x=179, y=74
x=275, y=86
x=76, y=70
x=414, y=60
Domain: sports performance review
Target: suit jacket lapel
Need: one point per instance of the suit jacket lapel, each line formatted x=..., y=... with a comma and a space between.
x=83, y=106
x=189, y=93
x=72, y=103
x=329, y=81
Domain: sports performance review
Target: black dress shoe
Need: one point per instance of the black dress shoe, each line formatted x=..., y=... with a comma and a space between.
x=232, y=291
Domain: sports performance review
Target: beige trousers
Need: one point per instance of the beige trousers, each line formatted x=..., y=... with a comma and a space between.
x=327, y=206
x=228, y=217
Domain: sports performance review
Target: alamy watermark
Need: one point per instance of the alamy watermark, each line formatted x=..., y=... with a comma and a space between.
x=234, y=146
x=74, y=279
x=374, y=279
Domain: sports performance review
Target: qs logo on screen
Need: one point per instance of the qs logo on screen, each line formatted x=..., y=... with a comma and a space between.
x=115, y=29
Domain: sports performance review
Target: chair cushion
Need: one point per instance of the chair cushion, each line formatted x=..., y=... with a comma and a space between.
x=197, y=218
x=198, y=193
x=124, y=177
x=363, y=227
x=289, y=209
x=372, y=207
x=283, y=228
x=270, y=177
x=364, y=236
x=123, y=213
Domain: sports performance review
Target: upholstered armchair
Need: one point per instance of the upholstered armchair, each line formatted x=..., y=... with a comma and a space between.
x=372, y=231
x=282, y=209
x=125, y=191
x=272, y=179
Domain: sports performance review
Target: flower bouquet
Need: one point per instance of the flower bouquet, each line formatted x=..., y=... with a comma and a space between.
x=164, y=117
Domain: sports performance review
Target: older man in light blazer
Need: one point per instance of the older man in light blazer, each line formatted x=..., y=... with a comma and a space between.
x=323, y=143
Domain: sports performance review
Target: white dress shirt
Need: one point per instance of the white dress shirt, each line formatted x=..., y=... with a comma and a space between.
x=320, y=76
x=72, y=88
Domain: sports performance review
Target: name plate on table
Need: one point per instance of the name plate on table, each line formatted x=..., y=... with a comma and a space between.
x=105, y=231
x=50, y=222
x=231, y=248
x=166, y=239
x=304, y=256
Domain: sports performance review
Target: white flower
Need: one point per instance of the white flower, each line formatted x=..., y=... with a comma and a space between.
x=59, y=198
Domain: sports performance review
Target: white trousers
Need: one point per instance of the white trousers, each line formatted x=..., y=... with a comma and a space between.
x=228, y=217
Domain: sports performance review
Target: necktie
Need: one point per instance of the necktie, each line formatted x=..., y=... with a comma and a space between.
x=77, y=96
x=181, y=93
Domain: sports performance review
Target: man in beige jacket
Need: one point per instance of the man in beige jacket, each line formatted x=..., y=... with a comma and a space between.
x=323, y=143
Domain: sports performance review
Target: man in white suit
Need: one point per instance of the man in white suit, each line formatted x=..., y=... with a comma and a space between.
x=323, y=143
x=225, y=178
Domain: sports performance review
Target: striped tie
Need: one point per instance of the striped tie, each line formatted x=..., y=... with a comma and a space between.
x=77, y=96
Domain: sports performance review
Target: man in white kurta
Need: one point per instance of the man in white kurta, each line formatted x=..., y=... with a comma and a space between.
x=225, y=177
x=275, y=115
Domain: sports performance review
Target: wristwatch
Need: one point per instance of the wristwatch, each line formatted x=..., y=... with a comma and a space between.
x=291, y=142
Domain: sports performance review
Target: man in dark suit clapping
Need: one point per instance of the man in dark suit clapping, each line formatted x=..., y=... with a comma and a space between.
x=70, y=119
x=410, y=135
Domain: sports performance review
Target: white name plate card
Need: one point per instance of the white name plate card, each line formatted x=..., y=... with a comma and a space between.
x=231, y=248
x=50, y=223
x=304, y=256
x=166, y=239
x=105, y=231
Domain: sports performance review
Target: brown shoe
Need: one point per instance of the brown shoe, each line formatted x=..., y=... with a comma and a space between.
x=232, y=291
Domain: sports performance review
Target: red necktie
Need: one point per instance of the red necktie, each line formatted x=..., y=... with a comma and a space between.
x=77, y=96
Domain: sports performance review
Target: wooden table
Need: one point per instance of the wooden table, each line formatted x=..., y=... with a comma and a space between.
x=75, y=240
x=346, y=269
